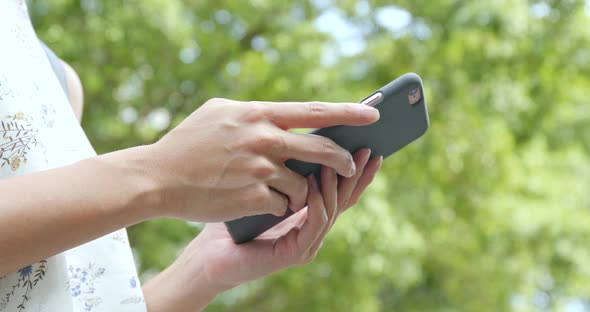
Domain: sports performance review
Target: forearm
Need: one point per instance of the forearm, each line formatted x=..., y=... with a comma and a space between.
x=177, y=289
x=45, y=213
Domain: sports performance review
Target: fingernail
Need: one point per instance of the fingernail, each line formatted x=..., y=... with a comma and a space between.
x=369, y=112
x=352, y=169
x=368, y=153
x=379, y=162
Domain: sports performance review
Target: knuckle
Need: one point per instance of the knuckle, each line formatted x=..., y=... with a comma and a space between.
x=215, y=100
x=279, y=143
x=263, y=169
x=257, y=112
x=351, y=110
x=316, y=109
x=260, y=195
x=328, y=147
x=265, y=110
x=264, y=140
x=297, y=180
x=271, y=141
x=279, y=209
x=252, y=114
x=282, y=210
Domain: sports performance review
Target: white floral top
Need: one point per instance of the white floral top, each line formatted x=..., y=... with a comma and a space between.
x=38, y=131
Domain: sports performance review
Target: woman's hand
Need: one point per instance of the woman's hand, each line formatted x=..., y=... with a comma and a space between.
x=226, y=160
x=212, y=262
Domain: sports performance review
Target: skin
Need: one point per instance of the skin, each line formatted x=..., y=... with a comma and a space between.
x=212, y=263
x=75, y=91
x=247, y=176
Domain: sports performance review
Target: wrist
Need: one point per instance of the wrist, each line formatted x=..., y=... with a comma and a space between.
x=175, y=289
x=131, y=170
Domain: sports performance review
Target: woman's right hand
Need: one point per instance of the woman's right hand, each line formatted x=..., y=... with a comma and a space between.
x=226, y=160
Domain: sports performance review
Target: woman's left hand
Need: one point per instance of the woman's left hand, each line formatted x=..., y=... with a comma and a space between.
x=212, y=262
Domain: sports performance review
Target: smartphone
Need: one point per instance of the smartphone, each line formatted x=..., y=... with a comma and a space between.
x=404, y=118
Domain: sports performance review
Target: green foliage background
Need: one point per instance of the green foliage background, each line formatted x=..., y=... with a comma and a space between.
x=488, y=212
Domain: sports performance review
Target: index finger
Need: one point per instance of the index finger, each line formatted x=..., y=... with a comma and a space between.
x=288, y=115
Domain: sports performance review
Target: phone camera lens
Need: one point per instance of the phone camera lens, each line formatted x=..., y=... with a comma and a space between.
x=414, y=96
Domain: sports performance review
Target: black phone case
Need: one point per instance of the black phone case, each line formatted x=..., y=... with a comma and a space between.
x=400, y=123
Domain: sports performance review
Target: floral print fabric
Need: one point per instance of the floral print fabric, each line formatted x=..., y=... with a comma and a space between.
x=39, y=131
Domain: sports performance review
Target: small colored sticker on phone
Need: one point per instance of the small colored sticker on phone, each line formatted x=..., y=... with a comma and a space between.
x=414, y=96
